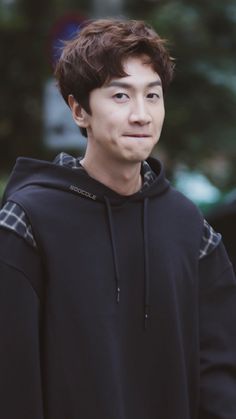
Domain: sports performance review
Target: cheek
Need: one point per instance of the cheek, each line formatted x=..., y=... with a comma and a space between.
x=160, y=119
x=116, y=117
x=109, y=119
x=163, y=114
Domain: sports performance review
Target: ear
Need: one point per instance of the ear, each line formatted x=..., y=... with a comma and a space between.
x=80, y=116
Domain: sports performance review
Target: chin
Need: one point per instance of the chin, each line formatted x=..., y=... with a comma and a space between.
x=136, y=154
x=138, y=157
x=143, y=155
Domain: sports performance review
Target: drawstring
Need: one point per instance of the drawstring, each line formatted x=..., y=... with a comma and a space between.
x=146, y=258
x=111, y=228
x=146, y=264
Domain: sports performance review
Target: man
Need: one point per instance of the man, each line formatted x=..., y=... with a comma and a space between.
x=118, y=300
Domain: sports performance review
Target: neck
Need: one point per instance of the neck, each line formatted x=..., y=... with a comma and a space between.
x=123, y=179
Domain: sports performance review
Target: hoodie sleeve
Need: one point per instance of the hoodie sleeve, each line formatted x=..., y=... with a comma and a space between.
x=217, y=336
x=20, y=295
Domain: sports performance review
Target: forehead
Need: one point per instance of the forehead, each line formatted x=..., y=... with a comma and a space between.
x=138, y=70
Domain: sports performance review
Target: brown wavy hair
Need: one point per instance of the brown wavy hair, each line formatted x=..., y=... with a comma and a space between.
x=96, y=55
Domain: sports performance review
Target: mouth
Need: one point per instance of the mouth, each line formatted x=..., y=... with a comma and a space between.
x=137, y=135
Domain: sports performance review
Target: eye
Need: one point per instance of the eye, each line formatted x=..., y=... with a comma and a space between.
x=153, y=96
x=121, y=97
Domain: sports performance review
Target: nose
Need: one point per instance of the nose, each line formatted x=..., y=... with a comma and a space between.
x=139, y=113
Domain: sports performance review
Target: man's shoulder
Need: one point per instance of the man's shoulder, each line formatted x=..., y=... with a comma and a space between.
x=13, y=218
x=181, y=204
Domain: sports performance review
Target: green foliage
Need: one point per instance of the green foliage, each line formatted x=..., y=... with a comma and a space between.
x=22, y=68
x=3, y=181
x=201, y=102
x=25, y=30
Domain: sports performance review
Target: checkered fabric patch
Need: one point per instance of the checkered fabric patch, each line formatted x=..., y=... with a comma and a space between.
x=210, y=240
x=14, y=218
x=148, y=176
x=64, y=159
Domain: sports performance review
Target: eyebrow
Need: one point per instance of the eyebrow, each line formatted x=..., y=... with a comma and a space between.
x=115, y=83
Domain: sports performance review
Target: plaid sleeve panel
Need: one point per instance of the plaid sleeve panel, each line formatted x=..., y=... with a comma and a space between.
x=210, y=240
x=13, y=217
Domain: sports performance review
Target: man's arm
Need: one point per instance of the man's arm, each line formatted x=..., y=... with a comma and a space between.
x=217, y=302
x=20, y=293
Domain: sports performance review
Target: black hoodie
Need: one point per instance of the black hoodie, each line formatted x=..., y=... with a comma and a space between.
x=113, y=315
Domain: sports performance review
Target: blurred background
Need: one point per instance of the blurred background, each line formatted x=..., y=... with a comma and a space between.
x=198, y=139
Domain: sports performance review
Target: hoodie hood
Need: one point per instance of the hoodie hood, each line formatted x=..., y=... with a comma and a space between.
x=68, y=175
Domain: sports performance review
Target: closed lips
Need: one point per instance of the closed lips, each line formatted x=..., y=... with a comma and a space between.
x=136, y=135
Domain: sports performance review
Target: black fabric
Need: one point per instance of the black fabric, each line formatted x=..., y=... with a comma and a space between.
x=87, y=356
x=20, y=329
x=218, y=337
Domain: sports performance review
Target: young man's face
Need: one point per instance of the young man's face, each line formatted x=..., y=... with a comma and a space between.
x=126, y=114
